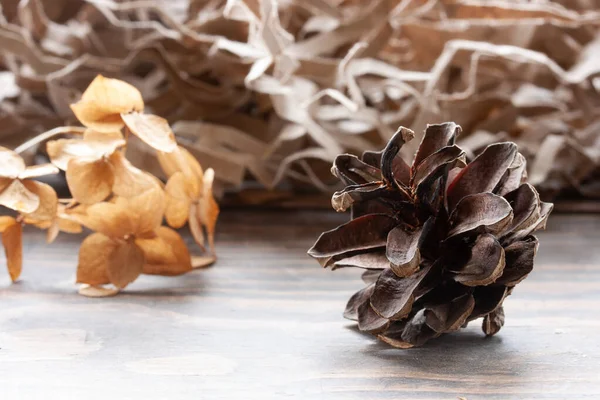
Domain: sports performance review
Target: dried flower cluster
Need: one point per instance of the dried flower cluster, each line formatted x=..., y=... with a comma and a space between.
x=279, y=88
x=443, y=241
x=124, y=206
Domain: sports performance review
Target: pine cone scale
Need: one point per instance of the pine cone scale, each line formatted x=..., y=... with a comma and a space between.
x=481, y=210
x=402, y=250
x=525, y=204
x=360, y=234
x=519, y=261
x=393, y=296
x=440, y=136
x=431, y=167
x=483, y=173
x=486, y=263
x=369, y=321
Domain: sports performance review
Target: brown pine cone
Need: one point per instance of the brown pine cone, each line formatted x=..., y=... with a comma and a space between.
x=443, y=242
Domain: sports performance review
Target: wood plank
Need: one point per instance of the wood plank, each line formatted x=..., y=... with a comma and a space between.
x=265, y=322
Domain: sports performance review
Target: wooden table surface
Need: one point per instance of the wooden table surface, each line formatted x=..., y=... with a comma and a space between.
x=266, y=323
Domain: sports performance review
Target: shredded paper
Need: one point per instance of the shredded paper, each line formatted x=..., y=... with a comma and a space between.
x=271, y=91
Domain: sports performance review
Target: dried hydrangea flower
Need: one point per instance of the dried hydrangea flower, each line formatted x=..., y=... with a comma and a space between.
x=95, y=168
x=123, y=205
x=443, y=242
x=60, y=222
x=128, y=241
x=189, y=195
x=107, y=105
x=90, y=163
x=17, y=191
x=29, y=198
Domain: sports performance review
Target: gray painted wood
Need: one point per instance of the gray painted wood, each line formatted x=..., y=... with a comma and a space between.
x=265, y=323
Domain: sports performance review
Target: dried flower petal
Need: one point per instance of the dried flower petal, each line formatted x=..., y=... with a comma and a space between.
x=112, y=220
x=93, y=147
x=11, y=164
x=97, y=291
x=209, y=208
x=147, y=210
x=48, y=205
x=203, y=261
x=193, y=168
x=129, y=180
x=153, y=130
x=195, y=224
x=104, y=143
x=181, y=161
x=173, y=162
x=90, y=181
x=178, y=200
x=157, y=249
x=166, y=254
x=114, y=95
x=62, y=151
x=5, y=222
x=42, y=224
x=4, y=183
x=17, y=197
x=12, y=239
x=128, y=238
x=125, y=264
x=52, y=232
x=96, y=117
x=94, y=256
x=61, y=223
x=103, y=102
x=66, y=224
x=38, y=170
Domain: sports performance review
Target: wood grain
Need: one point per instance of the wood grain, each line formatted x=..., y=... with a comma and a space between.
x=265, y=323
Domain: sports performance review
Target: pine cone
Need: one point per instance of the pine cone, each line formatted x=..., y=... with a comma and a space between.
x=443, y=242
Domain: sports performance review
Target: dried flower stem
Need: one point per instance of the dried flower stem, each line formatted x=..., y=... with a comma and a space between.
x=48, y=135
